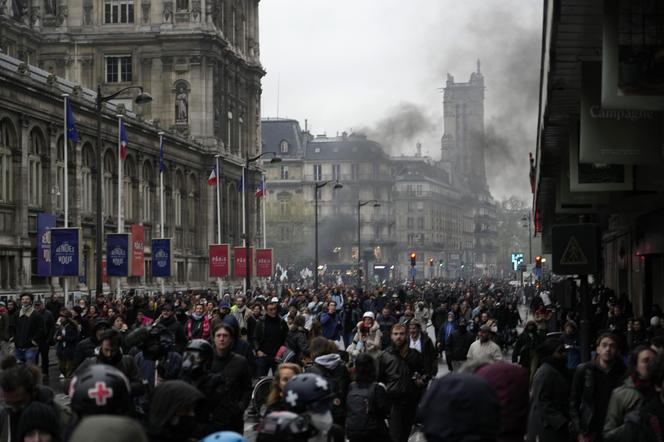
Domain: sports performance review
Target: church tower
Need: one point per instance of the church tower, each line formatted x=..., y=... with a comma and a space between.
x=462, y=144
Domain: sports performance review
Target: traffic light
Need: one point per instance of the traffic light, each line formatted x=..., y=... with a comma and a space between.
x=413, y=259
x=538, y=262
x=430, y=262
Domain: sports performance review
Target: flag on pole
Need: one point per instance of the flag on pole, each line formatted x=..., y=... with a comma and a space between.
x=212, y=179
x=72, y=133
x=260, y=190
x=161, y=155
x=123, y=141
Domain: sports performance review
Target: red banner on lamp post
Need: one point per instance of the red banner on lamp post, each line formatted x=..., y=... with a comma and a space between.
x=218, y=259
x=264, y=263
x=138, y=250
x=240, y=261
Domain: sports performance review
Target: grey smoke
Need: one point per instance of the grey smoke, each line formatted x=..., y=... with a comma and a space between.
x=401, y=128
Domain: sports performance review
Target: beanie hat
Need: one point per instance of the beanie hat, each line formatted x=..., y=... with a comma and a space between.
x=39, y=416
x=450, y=409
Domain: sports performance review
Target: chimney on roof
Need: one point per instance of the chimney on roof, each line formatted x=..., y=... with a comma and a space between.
x=418, y=146
x=306, y=125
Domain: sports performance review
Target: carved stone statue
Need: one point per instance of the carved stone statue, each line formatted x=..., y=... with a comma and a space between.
x=181, y=104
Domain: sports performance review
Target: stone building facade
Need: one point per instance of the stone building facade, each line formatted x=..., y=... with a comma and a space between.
x=200, y=62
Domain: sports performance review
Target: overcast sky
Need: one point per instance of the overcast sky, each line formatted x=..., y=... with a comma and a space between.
x=373, y=65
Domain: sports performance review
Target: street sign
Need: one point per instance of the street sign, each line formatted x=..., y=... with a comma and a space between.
x=575, y=249
x=517, y=258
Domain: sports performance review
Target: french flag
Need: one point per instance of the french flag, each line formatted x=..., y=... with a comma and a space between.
x=260, y=190
x=123, y=141
x=212, y=179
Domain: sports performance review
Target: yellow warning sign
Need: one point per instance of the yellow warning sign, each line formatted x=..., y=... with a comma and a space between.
x=573, y=254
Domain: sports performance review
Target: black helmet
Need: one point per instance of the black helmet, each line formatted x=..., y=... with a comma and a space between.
x=100, y=389
x=197, y=359
x=284, y=426
x=308, y=391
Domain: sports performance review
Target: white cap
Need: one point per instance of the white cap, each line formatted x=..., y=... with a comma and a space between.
x=274, y=300
x=368, y=315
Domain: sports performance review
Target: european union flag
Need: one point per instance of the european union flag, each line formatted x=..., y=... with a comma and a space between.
x=161, y=155
x=72, y=133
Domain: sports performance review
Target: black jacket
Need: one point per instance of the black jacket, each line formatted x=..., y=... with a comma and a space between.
x=85, y=349
x=429, y=356
x=49, y=327
x=270, y=334
x=589, y=398
x=548, y=420
x=457, y=345
x=29, y=330
x=297, y=342
x=397, y=374
x=229, y=389
x=177, y=329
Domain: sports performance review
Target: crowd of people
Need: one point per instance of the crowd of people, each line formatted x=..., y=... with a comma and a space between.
x=345, y=364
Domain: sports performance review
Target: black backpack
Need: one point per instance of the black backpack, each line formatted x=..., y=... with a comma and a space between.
x=338, y=380
x=362, y=414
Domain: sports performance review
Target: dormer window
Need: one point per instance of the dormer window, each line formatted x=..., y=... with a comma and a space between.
x=283, y=146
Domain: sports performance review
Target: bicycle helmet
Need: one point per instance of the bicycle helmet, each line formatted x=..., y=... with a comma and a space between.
x=100, y=389
x=284, y=426
x=308, y=392
x=224, y=436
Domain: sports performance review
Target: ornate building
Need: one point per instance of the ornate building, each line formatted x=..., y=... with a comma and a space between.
x=200, y=62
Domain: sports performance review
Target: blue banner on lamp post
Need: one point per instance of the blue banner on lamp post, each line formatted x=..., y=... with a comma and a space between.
x=162, y=258
x=45, y=222
x=66, y=251
x=118, y=254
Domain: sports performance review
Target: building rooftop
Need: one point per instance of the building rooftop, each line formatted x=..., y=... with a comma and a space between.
x=274, y=131
x=354, y=147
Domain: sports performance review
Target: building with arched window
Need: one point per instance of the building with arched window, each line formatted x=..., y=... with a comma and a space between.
x=32, y=181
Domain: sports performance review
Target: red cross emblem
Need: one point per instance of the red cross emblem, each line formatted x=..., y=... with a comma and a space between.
x=100, y=393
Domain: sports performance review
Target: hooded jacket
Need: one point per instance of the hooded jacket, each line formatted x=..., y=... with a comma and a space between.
x=169, y=398
x=372, y=345
x=332, y=368
x=510, y=383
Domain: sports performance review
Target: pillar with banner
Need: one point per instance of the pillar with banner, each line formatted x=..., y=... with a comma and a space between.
x=264, y=263
x=162, y=258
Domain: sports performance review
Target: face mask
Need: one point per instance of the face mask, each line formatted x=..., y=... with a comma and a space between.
x=322, y=421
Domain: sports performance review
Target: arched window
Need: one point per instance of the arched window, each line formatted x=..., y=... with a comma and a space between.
x=178, y=192
x=146, y=192
x=283, y=146
x=35, y=177
x=109, y=192
x=128, y=189
x=8, y=141
x=86, y=178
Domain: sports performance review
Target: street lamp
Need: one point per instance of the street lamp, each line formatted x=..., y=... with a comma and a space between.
x=142, y=98
x=530, y=238
x=247, y=243
x=360, y=204
x=337, y=185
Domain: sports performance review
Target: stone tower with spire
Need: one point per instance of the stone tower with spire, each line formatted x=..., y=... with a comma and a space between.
x=462, y=144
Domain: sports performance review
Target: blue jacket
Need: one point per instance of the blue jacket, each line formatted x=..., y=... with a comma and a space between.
x=331, y=325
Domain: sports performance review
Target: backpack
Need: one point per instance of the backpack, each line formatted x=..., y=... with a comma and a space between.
x=338, y=383
x=361, y=409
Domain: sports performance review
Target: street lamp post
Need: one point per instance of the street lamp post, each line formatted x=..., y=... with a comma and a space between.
x=530, y=238
x=360, y=204
x=247, y=242
x=337, y=185
x=141, y=98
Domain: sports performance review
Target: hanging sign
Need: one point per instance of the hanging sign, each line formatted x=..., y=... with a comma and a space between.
x=118, y=254
x=138, y=250
x=264, y=263
x=240, y=258
x=162, y=257
x=66, y=251
x=218, y=256
x=45, y=222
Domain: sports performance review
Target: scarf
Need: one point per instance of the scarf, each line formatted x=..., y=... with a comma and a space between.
x=642, y=385
x=206, y=327
x=26, y=311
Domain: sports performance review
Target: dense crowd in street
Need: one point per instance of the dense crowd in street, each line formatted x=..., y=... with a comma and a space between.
x=334, y=364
